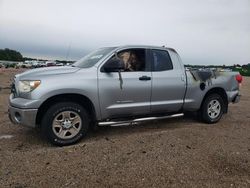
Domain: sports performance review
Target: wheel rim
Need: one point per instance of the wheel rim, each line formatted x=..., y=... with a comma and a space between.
x=67, y=124
x=214, y=109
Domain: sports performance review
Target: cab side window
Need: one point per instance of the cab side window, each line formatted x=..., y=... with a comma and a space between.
x=133, y=59
x=161, y=60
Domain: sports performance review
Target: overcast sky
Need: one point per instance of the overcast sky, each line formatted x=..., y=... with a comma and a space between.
x=202, y=31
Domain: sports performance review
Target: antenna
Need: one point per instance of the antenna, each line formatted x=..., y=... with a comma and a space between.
x=68, y=51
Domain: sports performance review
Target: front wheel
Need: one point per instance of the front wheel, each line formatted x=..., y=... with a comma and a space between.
x=65, y=123
x=212, y=108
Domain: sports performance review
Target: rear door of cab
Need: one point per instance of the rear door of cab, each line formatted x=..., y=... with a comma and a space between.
x=168, y=82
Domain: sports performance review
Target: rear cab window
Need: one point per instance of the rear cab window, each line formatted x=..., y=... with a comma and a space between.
x=161, y=60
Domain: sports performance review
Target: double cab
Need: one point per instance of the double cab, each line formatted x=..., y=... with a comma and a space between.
x=114, y=85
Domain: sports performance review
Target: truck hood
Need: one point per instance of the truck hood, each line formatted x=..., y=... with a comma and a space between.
x=38, y=72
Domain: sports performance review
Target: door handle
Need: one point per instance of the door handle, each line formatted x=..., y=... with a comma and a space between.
x=144, y=78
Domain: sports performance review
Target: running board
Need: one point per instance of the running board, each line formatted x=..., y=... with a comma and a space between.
x=114, y=123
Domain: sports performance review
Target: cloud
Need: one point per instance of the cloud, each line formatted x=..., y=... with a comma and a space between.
x=204, y=32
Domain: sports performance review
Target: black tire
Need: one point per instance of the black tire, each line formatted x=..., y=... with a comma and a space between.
x=209, y=115
x=53, y=112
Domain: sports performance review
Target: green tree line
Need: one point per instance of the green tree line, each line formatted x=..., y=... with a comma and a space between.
x=244, y=70
x=10, y=55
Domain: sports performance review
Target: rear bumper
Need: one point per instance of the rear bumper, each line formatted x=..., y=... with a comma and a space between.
x=25, y=117
x=236, y=99
x=233, y=96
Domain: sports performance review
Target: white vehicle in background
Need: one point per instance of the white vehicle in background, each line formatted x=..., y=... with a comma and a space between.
x=35, y=64
x=27, y=64
x=42, y=64
x=59, y=64
x=38, y=63
x=19, y=64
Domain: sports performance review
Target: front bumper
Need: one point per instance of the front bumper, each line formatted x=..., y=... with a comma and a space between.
x=25, y=117
x=22, y=111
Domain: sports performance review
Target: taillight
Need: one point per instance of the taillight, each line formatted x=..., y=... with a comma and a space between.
x=239, y=78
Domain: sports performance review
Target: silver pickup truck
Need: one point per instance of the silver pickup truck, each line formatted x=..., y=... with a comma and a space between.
x=117, y=85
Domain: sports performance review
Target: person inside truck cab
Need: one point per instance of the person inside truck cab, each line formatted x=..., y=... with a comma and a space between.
x=126, y=59
x=135, y=63
x=131, y=61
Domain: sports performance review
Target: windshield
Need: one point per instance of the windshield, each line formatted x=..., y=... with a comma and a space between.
x=92, y=58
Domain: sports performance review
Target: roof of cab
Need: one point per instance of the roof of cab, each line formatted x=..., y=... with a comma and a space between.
x=144, y=46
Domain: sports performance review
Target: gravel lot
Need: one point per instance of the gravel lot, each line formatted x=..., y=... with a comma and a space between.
x=178, y=152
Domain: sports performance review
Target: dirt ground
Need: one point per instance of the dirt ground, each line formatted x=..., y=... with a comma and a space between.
x=178, y=152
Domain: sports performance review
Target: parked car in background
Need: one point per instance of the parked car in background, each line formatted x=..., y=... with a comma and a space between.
x=19, y=64
x=59, y=64
x=50, y=63
x=27, y=64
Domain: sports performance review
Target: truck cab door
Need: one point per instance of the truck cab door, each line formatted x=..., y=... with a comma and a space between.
x=132, y=96
x=168, y=83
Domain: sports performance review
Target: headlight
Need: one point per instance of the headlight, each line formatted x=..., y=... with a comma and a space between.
x=28, y=85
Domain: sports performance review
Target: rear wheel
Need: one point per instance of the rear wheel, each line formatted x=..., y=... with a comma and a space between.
x=65, y=123
x=212, y=108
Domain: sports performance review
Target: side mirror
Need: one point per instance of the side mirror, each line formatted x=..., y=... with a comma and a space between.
x=114, y=65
